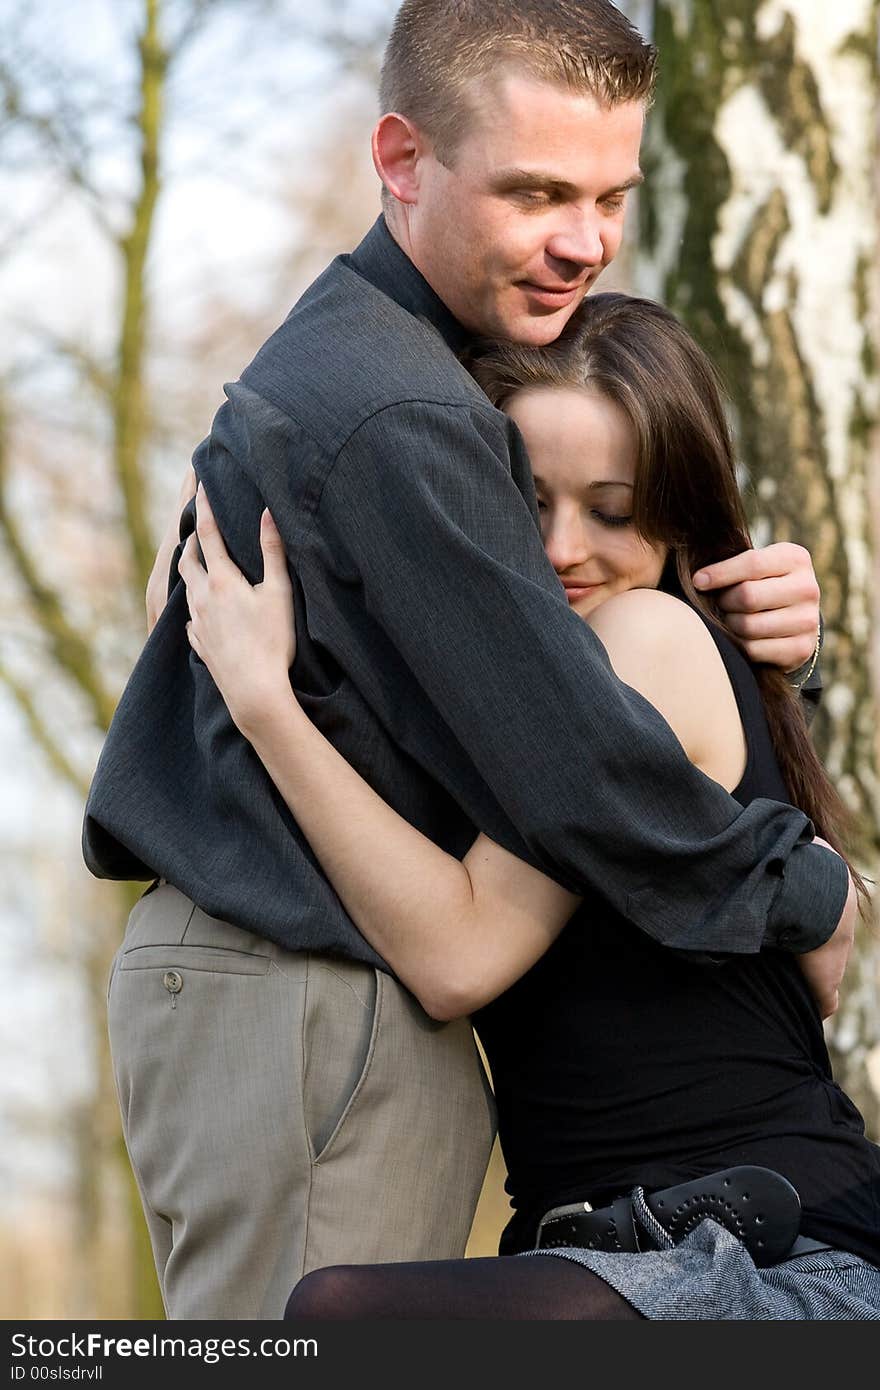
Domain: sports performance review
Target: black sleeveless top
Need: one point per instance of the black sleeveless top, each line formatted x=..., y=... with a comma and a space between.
x=616, y=1063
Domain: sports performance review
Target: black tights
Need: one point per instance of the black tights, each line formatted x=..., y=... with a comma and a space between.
x=541, y=1288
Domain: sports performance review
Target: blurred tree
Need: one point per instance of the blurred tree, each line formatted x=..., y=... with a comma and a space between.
x=89, y=411
x=759, y=226
x=40, y=109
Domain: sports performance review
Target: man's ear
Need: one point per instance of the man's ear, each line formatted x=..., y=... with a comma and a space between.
x=398, y=148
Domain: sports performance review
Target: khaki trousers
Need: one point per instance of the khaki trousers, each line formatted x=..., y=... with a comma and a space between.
x=284, y=1111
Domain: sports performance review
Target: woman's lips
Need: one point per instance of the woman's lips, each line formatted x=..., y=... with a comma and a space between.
x=575, y=592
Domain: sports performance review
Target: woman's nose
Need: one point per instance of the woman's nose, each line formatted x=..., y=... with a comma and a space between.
x=565, y=543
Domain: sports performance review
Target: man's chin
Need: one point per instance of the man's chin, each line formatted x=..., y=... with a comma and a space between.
x=537, y=330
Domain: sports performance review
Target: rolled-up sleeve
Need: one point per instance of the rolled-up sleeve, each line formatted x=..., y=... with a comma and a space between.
x=575, y=771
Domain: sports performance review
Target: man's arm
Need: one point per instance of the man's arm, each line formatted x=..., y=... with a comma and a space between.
x=723, y=881
x=157, y=584
x=457, y=933
x=586, y=780
x=770, y=596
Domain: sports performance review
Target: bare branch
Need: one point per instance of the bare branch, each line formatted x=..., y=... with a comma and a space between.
x=69, y=648
x=199, y=12
x=42, y=736
x=46, y=341
x=18, y=234
x=52, y=132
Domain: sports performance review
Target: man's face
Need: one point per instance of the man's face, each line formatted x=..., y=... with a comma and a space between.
x=514, y=234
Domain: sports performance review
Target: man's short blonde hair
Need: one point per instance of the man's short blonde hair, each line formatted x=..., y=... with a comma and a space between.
x=440, y=51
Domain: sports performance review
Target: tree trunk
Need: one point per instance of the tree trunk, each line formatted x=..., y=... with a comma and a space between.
x=759, y=227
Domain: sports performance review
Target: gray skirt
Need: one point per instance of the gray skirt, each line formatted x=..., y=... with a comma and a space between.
x=710, y=1276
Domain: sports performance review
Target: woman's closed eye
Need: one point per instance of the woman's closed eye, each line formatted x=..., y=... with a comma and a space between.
x=610, y=519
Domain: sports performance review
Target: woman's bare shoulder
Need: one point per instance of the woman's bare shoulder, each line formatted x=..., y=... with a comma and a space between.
x=661, y=647
x=646, y=620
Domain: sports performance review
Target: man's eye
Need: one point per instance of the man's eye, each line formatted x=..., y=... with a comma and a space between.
x=615, y=203
x=532, y=199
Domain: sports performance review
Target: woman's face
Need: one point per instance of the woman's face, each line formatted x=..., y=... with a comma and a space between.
x=582, y=450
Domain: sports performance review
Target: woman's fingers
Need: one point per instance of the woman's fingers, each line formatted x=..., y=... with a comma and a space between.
x=190, y=567
x=213, y=548
x=272, y=546
x=217, y=562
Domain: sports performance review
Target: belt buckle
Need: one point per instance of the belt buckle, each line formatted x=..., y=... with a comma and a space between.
x=559, y=1214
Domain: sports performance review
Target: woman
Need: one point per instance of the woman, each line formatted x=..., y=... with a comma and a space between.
x=618, y=1067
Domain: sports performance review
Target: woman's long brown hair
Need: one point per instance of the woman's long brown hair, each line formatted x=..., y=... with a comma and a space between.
x=636, y=353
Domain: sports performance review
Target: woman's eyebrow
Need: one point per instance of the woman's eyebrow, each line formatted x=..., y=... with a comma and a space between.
x=591, y=487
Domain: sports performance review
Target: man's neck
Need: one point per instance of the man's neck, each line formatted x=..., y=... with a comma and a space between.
x=398, y=230
x=385, y=260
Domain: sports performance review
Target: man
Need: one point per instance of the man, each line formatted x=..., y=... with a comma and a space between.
x=285, y=1103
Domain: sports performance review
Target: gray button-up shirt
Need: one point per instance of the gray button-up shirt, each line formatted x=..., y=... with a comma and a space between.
x=435, y=649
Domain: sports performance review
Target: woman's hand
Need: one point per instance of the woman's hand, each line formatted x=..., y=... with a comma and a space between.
x=245, y=634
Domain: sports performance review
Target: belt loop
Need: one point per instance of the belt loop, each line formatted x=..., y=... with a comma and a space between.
x=624, y=1226
x=648, y=1221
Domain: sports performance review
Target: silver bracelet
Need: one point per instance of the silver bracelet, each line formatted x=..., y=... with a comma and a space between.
x=798, y=684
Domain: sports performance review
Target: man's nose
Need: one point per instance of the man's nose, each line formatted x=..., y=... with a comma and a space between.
x=579, y=240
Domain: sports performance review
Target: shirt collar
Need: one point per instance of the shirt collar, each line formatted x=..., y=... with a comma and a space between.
x=380, y=260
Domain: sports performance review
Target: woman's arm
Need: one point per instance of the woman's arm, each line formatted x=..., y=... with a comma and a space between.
x=456, y=933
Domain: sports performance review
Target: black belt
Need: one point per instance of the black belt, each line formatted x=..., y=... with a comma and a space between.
x=760, y=1207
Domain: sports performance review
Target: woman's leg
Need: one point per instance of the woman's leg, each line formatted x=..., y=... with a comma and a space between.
x=542, y=1288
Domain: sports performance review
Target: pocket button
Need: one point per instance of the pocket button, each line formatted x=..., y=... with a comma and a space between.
x=173, y=981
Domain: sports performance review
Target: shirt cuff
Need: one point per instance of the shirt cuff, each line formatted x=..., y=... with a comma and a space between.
x=810, y=901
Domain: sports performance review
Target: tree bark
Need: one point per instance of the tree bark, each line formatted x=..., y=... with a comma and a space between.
x=759, y=227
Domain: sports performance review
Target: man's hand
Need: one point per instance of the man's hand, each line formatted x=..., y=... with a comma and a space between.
x=157, y=584
x=770, y=600
x=824, y=968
